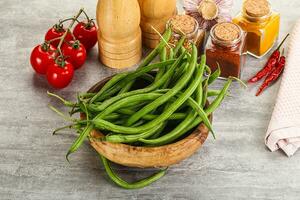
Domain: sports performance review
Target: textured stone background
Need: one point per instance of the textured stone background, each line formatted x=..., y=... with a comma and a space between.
x=32, y=162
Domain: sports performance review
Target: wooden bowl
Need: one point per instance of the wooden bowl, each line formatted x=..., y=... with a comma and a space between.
x=144, y=157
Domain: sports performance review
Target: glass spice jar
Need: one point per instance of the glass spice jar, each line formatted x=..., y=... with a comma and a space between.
x=188, y=26
x=226, y=48
x=261, y=25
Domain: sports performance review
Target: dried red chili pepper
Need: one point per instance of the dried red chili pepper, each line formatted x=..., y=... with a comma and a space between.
x=273, y=76
x=270, y=65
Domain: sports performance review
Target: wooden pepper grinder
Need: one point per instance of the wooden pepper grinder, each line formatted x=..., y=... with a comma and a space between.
x=119, y=33
x=155, y=13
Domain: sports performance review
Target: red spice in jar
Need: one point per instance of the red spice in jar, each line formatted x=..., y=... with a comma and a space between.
x=226, y=47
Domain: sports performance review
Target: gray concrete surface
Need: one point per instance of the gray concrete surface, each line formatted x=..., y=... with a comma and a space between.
x=32, y=162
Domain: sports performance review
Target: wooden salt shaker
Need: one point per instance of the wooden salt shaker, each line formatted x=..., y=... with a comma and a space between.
x=119, y=33
x=155, y=13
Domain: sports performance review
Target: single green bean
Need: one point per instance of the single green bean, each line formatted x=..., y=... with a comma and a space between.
x=119, y=138
x=159, y=47
x=160, y=131
x=163, y=57
x=126, y=88
x=199, y=92
x=179, y=45
x=174, y=116
x=214, y=76
x=148, y=77
x=205, y=87
x=139, y=184
x=115, y=79
x=211, y=93
x=79, y=140
x=179, y=71
x=171, y=54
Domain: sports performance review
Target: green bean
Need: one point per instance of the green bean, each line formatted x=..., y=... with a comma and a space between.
x=87, y=95
x=115, y=79
x=159, y=47
x=214, y=105
x=161, y=100
x=199, y=92
x=79, y=140
x=131, y=105
x=179, y=45
x=171, y=54
x=174, y=133
x=139, y=184
x=205, y=87
x=154, y=86
x=163, y=57
x=148, y=77
x=169, y=81
x=138, y=123
x=216, y=102
x=113, y=116
x=160, y=131
x=174, y=116
x=214, y=76
x=163, y=54
x=149, y=68
x=127, y=87
x=125, y=101
x=179, y=71
x=211, y=93
x=202, y=114
x=119, y=138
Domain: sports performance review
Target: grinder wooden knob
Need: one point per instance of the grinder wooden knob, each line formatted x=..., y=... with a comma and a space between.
x=119, y=34
x=155, y=13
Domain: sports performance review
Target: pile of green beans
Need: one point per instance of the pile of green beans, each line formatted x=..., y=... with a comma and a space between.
x=157, y=104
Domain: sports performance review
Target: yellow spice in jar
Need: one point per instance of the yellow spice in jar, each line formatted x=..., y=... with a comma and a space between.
x=261, y=25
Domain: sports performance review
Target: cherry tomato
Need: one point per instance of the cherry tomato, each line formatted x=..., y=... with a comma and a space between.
x=55, y=32
x=75, y=53
x=60, y=75
x=86, y=33
x=41, y=57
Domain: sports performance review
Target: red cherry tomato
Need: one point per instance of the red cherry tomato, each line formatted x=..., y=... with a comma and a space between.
x=60, y=76
x=86, y=33
x=75, y=53
x=41, y=57
x=55, y=32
